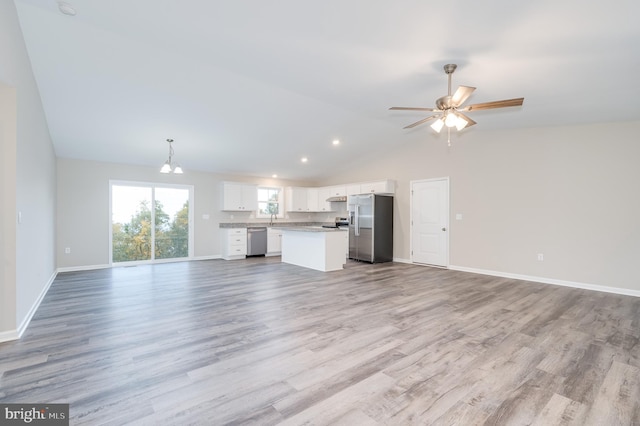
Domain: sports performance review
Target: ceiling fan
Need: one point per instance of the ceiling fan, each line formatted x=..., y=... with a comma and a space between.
x=449, y=110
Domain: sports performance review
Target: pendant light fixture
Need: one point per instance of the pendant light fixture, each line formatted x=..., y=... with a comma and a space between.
x=168, y=166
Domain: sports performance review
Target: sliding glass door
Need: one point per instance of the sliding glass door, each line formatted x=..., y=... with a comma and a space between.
x=150, y=222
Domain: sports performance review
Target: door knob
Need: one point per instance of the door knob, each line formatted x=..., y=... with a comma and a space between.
x=444, y=229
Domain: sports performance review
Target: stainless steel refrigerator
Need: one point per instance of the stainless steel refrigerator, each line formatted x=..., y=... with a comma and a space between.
x=371, y=227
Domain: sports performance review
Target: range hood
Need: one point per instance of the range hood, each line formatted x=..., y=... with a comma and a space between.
x=337, y=198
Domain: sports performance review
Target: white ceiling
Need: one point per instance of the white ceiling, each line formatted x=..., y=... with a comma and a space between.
x=250, y=87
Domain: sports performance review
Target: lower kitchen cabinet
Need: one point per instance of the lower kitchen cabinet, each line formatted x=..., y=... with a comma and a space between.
x=234, y=243
x=274, y=241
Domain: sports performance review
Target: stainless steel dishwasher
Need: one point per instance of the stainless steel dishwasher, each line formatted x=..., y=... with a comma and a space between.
x=256, y=241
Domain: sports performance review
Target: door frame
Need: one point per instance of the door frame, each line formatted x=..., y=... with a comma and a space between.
x=448, y=217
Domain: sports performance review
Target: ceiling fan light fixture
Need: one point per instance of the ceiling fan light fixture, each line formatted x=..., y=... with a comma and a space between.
x=461, y=123
x=451, y=119
x=450, y=110
x=437, y=125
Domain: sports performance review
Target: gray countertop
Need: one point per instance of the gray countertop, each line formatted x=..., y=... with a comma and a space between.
x=276, y=224
x=312, y=229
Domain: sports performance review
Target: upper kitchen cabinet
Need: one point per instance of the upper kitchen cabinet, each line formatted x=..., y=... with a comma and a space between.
x=307, y=199
x=296, y=199
x=323, y=195
x=239, y=197
x=377, y=187
x=312, y=199
x=335, y=191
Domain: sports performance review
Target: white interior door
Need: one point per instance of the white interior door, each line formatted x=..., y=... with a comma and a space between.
x=430, y=222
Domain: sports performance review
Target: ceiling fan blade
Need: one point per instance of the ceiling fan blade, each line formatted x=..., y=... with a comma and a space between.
x=424, y=120
x=461, y=95
x=414, y=109
x=470, y=122
x=494, y=104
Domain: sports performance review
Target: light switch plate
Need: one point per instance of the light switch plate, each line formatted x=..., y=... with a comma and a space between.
x=458, y=216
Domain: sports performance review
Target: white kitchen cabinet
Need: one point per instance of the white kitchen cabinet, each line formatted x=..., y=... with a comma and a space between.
x=234, y=243
x=336, y=191
x=312, y=199
x=378, y=187
x=323, y=194
x=274, y=241
x=296, y=199
x=239, y=196
x=353, y=189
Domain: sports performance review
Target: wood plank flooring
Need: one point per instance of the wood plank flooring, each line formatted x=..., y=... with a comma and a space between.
x=261, y=342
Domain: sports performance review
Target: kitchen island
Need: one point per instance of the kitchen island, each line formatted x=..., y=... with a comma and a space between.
x=315, y=247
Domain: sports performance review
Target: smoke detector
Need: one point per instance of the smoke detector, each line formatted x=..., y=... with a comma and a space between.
x=66, y=8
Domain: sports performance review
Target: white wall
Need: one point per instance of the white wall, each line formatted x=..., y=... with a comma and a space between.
x=83, y=207
x=8, y=119
x=29, y=188
x=570, y=193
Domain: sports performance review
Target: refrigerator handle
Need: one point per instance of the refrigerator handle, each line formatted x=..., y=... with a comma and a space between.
x=357, y=224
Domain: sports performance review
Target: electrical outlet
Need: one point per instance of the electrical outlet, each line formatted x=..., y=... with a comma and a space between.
x=67, y=250
x=540, y=257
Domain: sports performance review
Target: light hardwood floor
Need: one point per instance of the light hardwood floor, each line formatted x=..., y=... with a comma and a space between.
x=260, y=342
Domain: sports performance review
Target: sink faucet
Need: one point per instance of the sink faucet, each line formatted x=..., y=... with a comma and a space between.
x=273, y=215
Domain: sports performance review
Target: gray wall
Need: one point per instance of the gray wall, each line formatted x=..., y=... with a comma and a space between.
x=83, y=207
x=28, y=185
x=570, y=193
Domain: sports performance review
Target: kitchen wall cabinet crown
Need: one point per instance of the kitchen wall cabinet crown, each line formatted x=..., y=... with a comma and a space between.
x=239, y=196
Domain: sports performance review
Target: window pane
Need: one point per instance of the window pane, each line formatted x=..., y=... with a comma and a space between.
x=172, y=223
x=131, y=223
x=268, y=201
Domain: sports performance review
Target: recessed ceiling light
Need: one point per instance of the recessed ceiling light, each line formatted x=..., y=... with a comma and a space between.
x=304, y=159
x=336, y=142
x=274, y=175
x=66, y=8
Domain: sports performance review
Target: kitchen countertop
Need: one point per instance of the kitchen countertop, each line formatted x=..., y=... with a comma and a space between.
x=312, y=229
x=275, y=224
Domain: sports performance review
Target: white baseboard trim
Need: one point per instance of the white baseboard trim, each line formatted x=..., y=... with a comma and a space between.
x=212, y=257
x=7, y=336
x=543, y=280
x=401, y=260
x=82, y=268
x=25, y=322
x=105, y=266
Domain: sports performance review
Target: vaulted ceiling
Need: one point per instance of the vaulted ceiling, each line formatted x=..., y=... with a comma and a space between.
x=250, y=87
